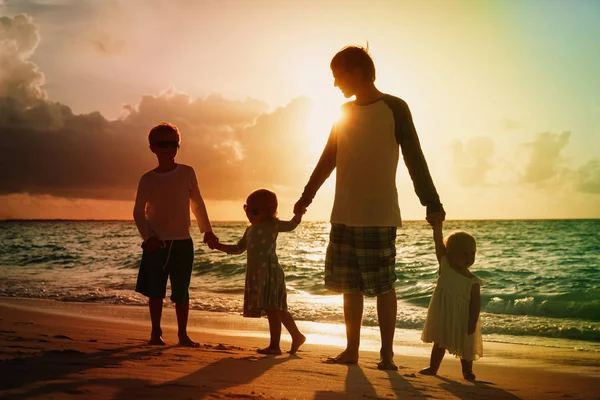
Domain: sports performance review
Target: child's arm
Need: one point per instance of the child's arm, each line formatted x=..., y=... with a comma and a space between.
x=474, y=307
x=238, y=248
x=438, y=239
x=288, y=226
x=151, y=241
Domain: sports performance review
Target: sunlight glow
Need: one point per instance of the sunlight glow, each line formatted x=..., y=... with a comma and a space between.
x=322, y=117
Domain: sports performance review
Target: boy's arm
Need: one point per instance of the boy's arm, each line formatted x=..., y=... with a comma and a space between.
x=139, y=209
x=474, y=307
x=322, y=170
x=438, y=239
x=198, y=206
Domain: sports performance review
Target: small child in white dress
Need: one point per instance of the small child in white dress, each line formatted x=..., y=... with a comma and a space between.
x=265, y=290
x=453, y=316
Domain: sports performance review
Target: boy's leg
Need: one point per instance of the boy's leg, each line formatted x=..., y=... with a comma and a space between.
x=437, y=355
x=387, y=305
x=275, y=331
x=155, y=306
x=182, y=310
x=298, y=338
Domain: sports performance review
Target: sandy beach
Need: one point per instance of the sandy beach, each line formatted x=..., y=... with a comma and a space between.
x=57, y=350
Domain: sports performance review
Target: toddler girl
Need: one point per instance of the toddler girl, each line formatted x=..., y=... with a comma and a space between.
x=265, y=281
x=453, y=316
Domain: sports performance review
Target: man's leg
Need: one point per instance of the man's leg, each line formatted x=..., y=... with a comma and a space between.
x=353, y=311
x=387, y=305
x=182, y=310
x=155, y=306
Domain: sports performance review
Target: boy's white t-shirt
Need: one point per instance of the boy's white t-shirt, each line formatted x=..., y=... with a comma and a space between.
x=162, y=204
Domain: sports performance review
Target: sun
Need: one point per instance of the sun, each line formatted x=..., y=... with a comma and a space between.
x=324, y=113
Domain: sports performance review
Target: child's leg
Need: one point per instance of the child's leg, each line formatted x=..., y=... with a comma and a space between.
x=155, y=306
x=467, y=369
x=297, y=338
x=437, y=355
x=182, y=310
x=275, y=331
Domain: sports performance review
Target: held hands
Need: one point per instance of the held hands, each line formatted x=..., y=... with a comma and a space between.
x=210, y=239
x=300, y=207
x=436, y=218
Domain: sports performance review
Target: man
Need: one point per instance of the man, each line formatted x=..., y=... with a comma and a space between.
x=364, y=147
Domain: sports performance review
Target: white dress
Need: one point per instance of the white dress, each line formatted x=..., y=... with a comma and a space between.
x=448, y=314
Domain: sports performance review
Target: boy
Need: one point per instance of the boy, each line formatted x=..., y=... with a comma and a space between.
x=162, y=215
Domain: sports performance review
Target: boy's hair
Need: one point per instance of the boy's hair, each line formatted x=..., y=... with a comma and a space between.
x=265, y=198
x=352, y=57
x=459, y=240
x=164, y=127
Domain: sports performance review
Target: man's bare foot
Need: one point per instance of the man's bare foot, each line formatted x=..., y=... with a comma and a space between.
x=296, y=343
x=387, y=365
x=345, y=357
x=428, y=371
x=274, y=351
x=187, y=342
x=469, y=375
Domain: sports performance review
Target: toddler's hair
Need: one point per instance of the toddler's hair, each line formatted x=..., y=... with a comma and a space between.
x=164, y=127
x=458, y=240
x=265, y=198
x=351, y=57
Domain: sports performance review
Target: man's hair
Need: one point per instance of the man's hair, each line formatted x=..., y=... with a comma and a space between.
x=352, y=57
x=162, y=128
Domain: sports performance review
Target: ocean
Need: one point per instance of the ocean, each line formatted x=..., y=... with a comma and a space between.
x=542, y=276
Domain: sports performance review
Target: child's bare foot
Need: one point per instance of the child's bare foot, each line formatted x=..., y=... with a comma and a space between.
x=275, y=351
x=156, y=338
x=345, y=357
x=296, y=343
x=469, y=375
x=428, y=371
x=187, y=342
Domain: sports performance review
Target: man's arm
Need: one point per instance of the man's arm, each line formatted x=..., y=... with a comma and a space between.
x=407, y=138
x=323, y=169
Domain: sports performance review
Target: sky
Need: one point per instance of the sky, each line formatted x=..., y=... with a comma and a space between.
x=505, y=96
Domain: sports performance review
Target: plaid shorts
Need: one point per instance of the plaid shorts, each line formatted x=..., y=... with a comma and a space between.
x=361, y=259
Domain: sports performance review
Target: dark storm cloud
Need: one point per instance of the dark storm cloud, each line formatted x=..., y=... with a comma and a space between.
x=235, y=146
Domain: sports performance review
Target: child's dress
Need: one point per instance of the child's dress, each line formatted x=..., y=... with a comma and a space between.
x=265, y=280
x=448, y=314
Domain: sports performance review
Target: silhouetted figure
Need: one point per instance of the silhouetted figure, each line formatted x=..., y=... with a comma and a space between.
x=453, y=316
x=265, y=289
x=162, y=215
x=363, y=147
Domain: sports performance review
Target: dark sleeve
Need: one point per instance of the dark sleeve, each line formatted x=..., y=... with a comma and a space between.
x=406, y=137
x=324, y=168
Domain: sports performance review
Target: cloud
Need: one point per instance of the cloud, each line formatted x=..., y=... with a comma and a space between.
x=471, y=160
x=544, y=161
x=234, y=145
x=588, y=177
x=20, y=79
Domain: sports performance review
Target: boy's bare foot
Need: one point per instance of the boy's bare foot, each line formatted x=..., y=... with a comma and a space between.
x=387, y=365
x=428, y=371
x=187, y=342
x=296, y=343
x=156, y=338
x=156, y=341
x=345, y=357
x=275, y=351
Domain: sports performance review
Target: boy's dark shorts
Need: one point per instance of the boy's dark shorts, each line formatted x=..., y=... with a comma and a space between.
x=174, y=261
x=361, y=259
